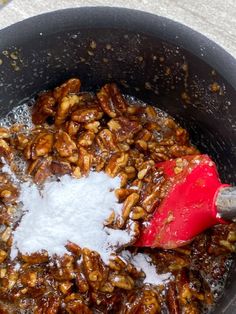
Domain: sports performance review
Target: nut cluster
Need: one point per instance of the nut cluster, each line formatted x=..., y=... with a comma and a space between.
x=77, y=132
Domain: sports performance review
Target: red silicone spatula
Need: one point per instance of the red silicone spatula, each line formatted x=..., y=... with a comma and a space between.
x=195, y=201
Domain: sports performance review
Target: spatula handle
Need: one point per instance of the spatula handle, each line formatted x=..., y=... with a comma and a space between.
x=226, y=203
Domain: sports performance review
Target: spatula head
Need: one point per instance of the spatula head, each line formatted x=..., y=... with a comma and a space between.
x=189, y=205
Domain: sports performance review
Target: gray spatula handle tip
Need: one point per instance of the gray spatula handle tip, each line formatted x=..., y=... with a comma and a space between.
x=226, y=203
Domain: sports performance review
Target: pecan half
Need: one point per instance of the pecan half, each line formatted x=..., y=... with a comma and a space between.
x=87, y=114
x=72, y=86
x=42, y=145
x=111, y=100
x=64, y=108
x=116, y=163
x=64, y=145
x=43, y=108
x=124, y=128
x=40, y=169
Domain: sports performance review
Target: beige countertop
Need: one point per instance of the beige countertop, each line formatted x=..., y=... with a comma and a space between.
x=216, y=19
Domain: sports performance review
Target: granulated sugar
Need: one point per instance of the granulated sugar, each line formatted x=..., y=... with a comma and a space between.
x=144, y=262
x=69, y=210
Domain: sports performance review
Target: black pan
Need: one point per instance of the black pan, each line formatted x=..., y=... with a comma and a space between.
x=155, y=59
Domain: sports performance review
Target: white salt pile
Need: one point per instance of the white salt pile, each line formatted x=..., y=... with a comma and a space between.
x=69, y=210
x=144, y=262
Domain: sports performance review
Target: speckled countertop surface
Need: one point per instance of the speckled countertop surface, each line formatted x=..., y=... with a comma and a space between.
x=216, y=19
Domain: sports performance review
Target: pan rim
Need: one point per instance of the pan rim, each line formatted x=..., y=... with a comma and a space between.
x=127, y=19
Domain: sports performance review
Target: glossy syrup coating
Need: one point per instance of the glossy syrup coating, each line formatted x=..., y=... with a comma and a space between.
x=75, y=133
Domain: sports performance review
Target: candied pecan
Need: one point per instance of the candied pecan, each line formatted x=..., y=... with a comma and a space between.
x=64, y=108
x=152, y=126
x=231, y=236
x=172, y=299
x=80, y=280
x=111, y=100
x=6, y=234
x=5, y=216
x=59, y=167
x=4, y=133
x=153, y=146
x=74, y=297
x=87, y=114
x=116, y=163
x=4, y=309
x=150, y=201
x=99, y=160
x=171, y=260
x=151, y=113
x=222, y=240
x=48, y=305
x=110, y=220
x=187, y=295
x=72, y=128
x=134, y=272
x=158, y=157
x=150, y=304
x=144, y=168
x=29, y=278
x=8, y=193
x=107, y=288
x=64, y=145
x=5, y=150
x=130, y=201
x=137, y=213
x=96, y=272
x=40, y=169
x=124, y=179
x=122, y=281
x=134, y=109
x=133, y=302
x=124, y=147
x=77, y=306
x=141, y=145
x=136, y=158
x=76, y=172
x=183, y=288
x=124, y=128
x=64, y=270
x=71, y=86
x=122, y=194
x=116, y=263
x=65, y=287
x=43, y=108
x=42, y=145
x=93, y=126
x=11, y=279
x=86, y=138
x=3, y=256
x=3, y=272
x=21, y=141
x=181, y=136
x=73, y=248
x=176, y=151
x=229, y=246
x=106, y=141
x=85, y=160
x=35, y=258
x=170, y=123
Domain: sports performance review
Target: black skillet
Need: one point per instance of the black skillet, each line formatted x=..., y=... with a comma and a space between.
x=155, y=59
